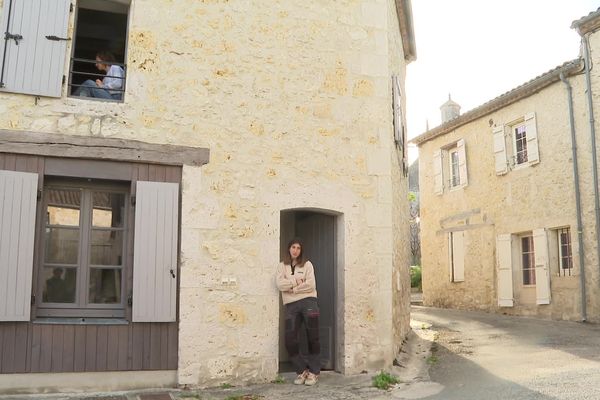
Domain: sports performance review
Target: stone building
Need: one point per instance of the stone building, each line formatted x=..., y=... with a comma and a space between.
x=140, y=229
x=508, y=194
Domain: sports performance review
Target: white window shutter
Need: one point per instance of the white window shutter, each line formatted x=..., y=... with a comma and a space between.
x=462, y=162
x=533, y=152
x=36, y=64
x=458, y=256
x=438, y=180
x=155, y=252
x=505, y=279
x=18, y=200
x=500, y=150
x=542, y=274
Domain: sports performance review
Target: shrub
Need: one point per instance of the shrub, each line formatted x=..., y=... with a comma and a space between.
x=383, y=380
x=415, y=277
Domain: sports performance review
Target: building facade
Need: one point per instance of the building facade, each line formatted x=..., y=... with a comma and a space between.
x=141, y=223
x=508, y=216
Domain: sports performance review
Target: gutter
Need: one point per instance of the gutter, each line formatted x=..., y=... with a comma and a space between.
x=577, y=199
x=590, y=101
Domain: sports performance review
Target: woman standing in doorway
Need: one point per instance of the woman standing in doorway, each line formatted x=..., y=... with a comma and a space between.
x=298, y=287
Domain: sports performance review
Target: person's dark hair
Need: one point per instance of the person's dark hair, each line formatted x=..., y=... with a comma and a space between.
x=287, y=258
x=106, y=56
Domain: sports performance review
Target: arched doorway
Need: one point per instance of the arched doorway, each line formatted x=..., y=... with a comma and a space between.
x=318, y=229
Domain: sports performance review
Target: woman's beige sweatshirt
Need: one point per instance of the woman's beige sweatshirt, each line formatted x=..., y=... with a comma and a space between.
x=288, y=285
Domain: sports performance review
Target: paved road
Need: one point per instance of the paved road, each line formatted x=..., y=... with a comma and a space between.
x=487, y=356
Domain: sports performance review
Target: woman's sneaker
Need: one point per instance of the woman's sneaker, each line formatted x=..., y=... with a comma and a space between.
x=300, y=379
x=311, y=379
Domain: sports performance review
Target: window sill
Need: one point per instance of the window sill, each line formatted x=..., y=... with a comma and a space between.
x=80, y=321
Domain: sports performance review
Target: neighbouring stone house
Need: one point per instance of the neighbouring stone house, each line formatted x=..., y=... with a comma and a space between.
x=139, y=234
x=504, y=197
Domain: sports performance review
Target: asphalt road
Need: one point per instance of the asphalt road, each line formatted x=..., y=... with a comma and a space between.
x=483, y=356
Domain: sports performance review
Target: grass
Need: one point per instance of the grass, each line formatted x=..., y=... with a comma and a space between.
x=279, y=380
x=384, y=380
x=226, y=386
x=432, y=360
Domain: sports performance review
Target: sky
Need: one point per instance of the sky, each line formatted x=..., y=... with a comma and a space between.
x=476, y=50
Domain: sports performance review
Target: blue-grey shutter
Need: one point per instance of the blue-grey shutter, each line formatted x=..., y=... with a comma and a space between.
x=155, y=252
x=36, y=64
x=18, y=198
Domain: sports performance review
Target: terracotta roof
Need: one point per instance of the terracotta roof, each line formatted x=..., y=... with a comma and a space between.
x=585, y=24
x=522, y=91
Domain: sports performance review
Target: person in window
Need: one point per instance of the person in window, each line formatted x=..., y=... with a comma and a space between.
x=56, y=288
x=110, y=86
x=295, y=280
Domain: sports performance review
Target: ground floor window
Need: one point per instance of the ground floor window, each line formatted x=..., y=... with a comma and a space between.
x=565, y=255
x=528, y=260
x=83, y=251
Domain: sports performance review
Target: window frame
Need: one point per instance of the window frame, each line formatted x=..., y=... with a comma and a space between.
x=82, y=308
x=563, y=271
x=531, y=256
x=454, y=181
x=72, y=57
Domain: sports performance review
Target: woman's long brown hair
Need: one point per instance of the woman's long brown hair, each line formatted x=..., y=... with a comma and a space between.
x=287, y=258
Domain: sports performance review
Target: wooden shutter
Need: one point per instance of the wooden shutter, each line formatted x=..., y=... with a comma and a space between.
x=533, y=153
x=458, y=256
x=18, y=199
x=36, y=64
x=542, y=274
x=462, y=162
x=504, y=261
x=155, y=252
x=500, y=150
x=438, y=180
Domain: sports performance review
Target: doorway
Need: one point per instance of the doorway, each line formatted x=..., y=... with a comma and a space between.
x=318, y=231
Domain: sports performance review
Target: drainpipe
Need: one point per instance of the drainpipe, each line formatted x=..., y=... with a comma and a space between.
x=588, y=83
x=577, y=198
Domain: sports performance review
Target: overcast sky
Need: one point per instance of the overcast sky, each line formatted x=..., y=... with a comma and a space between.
x=478, y=49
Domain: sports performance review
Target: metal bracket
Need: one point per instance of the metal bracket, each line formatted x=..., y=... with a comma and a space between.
x=56, y=38
x=16, y=37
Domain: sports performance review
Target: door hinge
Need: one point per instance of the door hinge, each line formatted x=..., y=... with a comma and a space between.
x=71, y=7
x=39, y=194
x=32, y=299
x=133, y=201
x=64, y=79
x=130, y=300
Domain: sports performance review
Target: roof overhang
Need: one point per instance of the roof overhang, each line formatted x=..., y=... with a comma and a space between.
x=518, y=93
x=589, y=23
x=407, y=32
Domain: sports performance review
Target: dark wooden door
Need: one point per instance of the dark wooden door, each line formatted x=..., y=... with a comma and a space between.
x=318, y=233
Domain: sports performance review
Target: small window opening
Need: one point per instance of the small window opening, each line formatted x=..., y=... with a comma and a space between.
x=565, y=254
x=98, y=69
x=528, y=260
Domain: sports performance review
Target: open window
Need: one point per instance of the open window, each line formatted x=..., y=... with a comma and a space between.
x=99, y=50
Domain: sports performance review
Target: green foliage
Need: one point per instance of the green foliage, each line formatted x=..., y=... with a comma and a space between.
x=415, y=277
x=226, y=386
x=412, y=197
x=280, y=379
x=432, y=360
x=384, y=380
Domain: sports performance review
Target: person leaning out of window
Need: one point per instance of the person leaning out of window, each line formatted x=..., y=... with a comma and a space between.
x=296, y=281
x=110, y=87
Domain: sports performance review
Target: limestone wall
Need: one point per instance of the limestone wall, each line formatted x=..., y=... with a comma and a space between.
x=294, y=102
x=539, y=196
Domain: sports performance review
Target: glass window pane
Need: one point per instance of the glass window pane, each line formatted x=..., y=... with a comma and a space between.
x=106, y=247
x=105, y=286
x=61, y=246
x=59, y=285
x=63, y=207
x=109, y=210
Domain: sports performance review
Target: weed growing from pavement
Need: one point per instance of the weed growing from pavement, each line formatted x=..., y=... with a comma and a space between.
x=384, y=380
x=280, y=379
x=432, y=360
x=245, y=397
